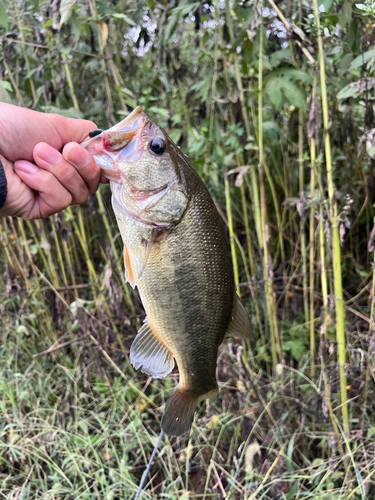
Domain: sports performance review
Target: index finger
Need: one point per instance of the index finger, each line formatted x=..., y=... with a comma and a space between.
x=84, y=163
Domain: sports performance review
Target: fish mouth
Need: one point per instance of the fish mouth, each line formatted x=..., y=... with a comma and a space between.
x=122, y=140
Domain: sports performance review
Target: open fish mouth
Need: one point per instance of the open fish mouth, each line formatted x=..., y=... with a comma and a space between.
x=122, y=140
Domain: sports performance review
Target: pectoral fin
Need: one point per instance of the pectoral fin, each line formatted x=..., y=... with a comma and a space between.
x=129, y=275
x=149, y=354
x=239, y=326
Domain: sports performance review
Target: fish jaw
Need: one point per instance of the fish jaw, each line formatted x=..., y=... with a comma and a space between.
x=122, y=140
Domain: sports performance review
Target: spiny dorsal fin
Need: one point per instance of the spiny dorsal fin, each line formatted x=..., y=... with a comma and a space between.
x=239, y=326
x=149, y=354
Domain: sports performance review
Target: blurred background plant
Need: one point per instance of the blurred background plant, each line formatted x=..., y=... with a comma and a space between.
x=274, y=106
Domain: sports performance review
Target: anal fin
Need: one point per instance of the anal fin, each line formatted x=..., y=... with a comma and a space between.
x=149, y=354
x=239, y=326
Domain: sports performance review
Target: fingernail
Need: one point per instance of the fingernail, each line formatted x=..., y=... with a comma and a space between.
x=49, y=154
x=25, y=166
x=76, y=155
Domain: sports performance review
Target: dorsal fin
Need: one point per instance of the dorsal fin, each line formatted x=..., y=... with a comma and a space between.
x=148, y=353
x=239, y=326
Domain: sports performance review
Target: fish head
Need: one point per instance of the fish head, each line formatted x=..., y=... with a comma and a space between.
x=143, y=166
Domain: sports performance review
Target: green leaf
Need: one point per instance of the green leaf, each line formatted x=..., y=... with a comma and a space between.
x=66, y=9
x=278, y=56
x=183, y=10
x=170, y=29
x=4, y=96
x=344, y=63
x=3, y=16
x=326, y=4
x=175, y=134
x=346, y=14
x=294, y=94
x=125, y=18
x=271, y=130
x=363, y=58
x=159, y=111
x=355, y=89
x=274, y=93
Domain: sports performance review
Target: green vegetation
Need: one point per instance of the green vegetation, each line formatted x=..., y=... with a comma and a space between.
x=271, y=103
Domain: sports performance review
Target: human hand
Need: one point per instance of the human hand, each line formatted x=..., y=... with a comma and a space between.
x=41, y=180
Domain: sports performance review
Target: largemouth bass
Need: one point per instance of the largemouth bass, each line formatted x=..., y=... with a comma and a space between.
x=176, y=253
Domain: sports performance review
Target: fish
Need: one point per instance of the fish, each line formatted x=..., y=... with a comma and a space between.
x=176, y=253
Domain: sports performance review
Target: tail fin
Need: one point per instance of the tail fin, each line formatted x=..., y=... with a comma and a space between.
x=179, y=412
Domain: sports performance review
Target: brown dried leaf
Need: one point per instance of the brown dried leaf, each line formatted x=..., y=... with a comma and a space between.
x=314, y=122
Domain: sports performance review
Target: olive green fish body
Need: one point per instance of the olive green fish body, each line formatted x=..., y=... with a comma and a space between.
x=187, y=289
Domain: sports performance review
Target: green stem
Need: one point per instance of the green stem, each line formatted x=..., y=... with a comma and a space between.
x=336, y=251
x=302, y=222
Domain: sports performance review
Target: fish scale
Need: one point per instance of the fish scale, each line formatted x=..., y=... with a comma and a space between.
x=176, y=253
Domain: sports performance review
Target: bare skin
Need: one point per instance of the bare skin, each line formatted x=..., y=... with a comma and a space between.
x=46, y=168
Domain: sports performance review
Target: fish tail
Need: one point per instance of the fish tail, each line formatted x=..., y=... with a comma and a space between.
x=179, y=412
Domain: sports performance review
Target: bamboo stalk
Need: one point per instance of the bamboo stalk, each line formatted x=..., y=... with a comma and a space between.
x=13, y=82
x=302, y=221
x=231, y=234
x=245, y=118
x=312, y=239
x=70, y=82
x=58, y=249
x=20, y=253
x=336, y=252
x=267, y=264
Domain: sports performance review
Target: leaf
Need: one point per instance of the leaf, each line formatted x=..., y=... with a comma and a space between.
x=278, y=56
x=271, y=130
x=252, y=450
x=159, y=111
x=3, y=17
x=326, y=4
x=170, y=29
x=103, y=36
x=363, y=58
x=346, y=14
x=66, y=9
x=4, y=96
x=125, y=18
x=183, y=10
x=355, y=89
x=274, y=93
x=294, y=94
x=175, y=134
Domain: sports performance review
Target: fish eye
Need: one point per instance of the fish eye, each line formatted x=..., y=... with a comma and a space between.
x=157, y=145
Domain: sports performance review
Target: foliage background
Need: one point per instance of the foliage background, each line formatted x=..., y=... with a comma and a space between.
x=234, y=84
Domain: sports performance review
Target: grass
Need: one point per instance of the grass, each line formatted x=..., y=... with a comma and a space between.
x=72, y=427
x=76, y=421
